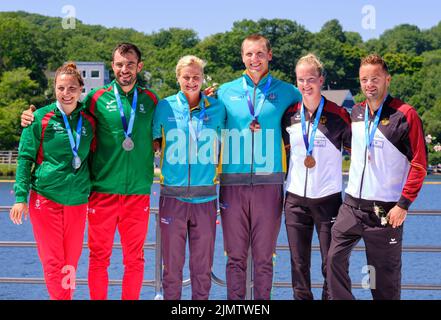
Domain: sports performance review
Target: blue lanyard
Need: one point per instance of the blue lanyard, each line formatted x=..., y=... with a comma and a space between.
x=127, y=130
x=370, y=137
x=195, y=134
x=255, y=112
x=310, y=144
x=73, y=145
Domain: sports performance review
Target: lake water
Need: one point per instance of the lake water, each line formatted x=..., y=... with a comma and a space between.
x=418, y=268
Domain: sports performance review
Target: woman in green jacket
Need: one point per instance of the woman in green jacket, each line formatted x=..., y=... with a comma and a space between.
x=52, y=164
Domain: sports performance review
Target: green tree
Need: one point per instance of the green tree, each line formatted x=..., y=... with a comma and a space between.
x=402, y=63
x=333, y=29
x=17, y=84
x=16, y=93
x=16, y=39
x=433, y=36
x=404, y=38
x=432, y=121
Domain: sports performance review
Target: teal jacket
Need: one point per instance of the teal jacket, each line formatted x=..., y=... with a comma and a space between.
x=189, y=161
x=257, y=157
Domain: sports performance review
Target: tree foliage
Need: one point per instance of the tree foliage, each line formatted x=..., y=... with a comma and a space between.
x=31, y=45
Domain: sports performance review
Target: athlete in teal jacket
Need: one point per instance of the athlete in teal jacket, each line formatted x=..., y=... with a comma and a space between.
x=189, y=165
x=253, y=168
x=255, y=157
x=189, y=124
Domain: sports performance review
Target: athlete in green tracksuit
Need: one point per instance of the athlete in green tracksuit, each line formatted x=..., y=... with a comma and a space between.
x=52, y=162
x=121, y=173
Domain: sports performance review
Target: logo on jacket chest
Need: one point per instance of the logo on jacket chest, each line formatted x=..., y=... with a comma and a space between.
x=237, y=98
x=378, y=143
x=111, y=106
x=320, y=142
x=272, y=96
x=57, y=127
x=175, y=118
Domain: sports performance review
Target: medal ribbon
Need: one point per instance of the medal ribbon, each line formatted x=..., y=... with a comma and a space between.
x=195, y=134
x=370, y=137
x=310, y=144
x=127, y=130
x=255, y=112
x=74, y=145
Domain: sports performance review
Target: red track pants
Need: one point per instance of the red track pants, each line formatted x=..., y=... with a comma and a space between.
x=130, y=213
x=59, y=233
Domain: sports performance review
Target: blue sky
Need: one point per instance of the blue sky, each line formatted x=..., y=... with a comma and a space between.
x=208, y=17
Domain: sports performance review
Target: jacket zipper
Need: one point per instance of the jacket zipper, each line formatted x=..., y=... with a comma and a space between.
x=252, y=139
x=189, y=152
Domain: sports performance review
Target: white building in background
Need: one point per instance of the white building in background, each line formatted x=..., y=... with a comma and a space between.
x=94, y=74
x=343, y=98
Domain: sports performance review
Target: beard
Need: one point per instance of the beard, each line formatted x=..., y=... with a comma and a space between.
x=125, y=83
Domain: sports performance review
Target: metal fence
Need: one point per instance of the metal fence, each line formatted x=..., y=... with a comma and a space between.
x=157, y=281
x=8, y=157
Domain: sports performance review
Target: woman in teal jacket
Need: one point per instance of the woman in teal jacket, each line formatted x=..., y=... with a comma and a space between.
x=188, y=125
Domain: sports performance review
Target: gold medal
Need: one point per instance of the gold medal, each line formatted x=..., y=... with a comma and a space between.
x=309, y=162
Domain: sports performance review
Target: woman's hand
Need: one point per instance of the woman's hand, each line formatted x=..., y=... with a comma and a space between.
x=17, y=212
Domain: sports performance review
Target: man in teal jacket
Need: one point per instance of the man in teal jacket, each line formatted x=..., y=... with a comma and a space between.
x=253, y=168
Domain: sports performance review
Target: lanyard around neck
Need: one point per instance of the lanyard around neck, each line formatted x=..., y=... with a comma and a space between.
x=195, y=133
x=370, y=136
x=127, y=129
x=255, y=112
x=74, y=143
x=310, y=144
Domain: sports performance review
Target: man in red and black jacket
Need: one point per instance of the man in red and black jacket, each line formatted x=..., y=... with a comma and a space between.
x=388, y=167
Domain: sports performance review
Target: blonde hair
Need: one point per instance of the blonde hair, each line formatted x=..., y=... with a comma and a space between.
x=189, y=60
x=312, y=59
x=69, y=68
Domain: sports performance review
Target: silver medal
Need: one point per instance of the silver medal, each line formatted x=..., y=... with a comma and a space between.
x=128, y=144
x=76, y=162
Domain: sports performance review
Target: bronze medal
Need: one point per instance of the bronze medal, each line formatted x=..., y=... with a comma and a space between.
x=309, y=162
x=255, y=125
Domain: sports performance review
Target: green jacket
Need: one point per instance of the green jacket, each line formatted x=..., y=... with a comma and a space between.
x=45, y=158
x=114, y=170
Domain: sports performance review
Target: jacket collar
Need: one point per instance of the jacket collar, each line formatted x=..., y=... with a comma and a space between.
x=184, y=101
x=250, y=82
x=80, y=107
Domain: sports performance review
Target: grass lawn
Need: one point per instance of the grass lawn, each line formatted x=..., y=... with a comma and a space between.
x=7, y=171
